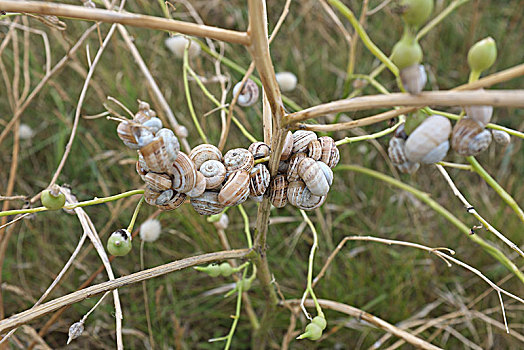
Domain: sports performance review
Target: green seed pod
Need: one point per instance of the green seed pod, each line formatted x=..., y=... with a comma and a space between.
x=320, y=321
x=406, y=53
x=213, y=270
x=413, y=121
x=416, y=12
x=225, y=269
x=313, y=332
x=482, y=55
x=246, y=284
x=119, y=243
x=52, y=198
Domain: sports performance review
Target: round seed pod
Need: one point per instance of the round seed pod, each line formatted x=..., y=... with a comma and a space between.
x=278, y=191
x=259, y=180
x=207, y=203
x=288, y=146
x=292, y=170
x=501, y=137
x=398, y=156
x=301, y=197
x=482, y=55
x=238, y=159
x=314, y=150
x=52, y=198
x=249, y=94
x=235, y=190
x=259, y=150
x=301, y=139
x=416, y=12
x=119, y=243
x=200, y=186
x=330, y=153
x=429, y=142
x=150, y=230
x=414, y=78
x=214, y=172
x=203, y=153
x=158, y=182
x=406, y=53
x=317, y=176
x=184, y=173
x=469, y=137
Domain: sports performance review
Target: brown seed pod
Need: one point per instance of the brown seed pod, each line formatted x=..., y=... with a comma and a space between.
x=158, y=182
x=238, y=159
x=249, y=94
x=288, y=146
x=200, y=186
x=204, y=152
x=314, y=150
x=330, y=153
x=259, y=150
x=301, y=197
x=278, y=191
x=170, y=200
x=398, y=156
x=207, y=203
x=292, y=170
x=184, y=173
x=469, y=137
x=235, y=190
x=259, y=180
x=317, y=176
x=301, y=139
x=214, y=172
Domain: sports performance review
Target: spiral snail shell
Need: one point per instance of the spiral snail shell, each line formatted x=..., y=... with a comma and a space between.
x=153, y=124
x=259, y=150
x=125, y=133
x=428, y=143
x=249, y=94
x=314, y=150
x=150, y=196
x=161, y=152
x=287, y=149
x=482, y=114
x=140, y=170
x=469, y=137
x=184, y=173
x=299, y=195
x=214, y=173
x=317, y=176
x=200, y=186
x=301, y=139
x=501, y=137
x=330, y=154
x=278, y=191
x=414, y=78
x=157, y=182
x=259, y=180
x=203, y=153
x=398, y=156
x=207, y=203
x=238, y=159
x=292, y=170
x=170, y=200
x=235, y=190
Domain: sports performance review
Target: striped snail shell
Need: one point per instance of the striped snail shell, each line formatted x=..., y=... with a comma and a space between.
x=501, y=137
x=184, y=173
x=161, y=152
x=317, y=176
x=259, y=150
x=150, y=196
x=288, y=146
x=428, y=143
x=301, y=139
x=235, y=190
x=142, y=163
x=125, y=133
x=203, y=153
x=259, y=180
x=292, y=170
x=143, y=136
x=282, y=167
x=200, y=186
x=414, y=78
x=278, y=191
x=207, y=203
x=157, y=182
x=469, y=137
x=314, y=150
x=238, y=159
x=330, y=153
x=140, y=171
x=301, y=197
x=214, y=173
x=398, y=156
x=170, y=200
x=249, y=94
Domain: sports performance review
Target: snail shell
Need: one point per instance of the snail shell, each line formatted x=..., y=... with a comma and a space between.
x=330, y=153
x=143, y=136
x=469, y=137
x=142, y=163
x=170, y=200
x=214, y=173
x=150, y=196
x=301, y=139
x=292, y=170
x=301, y=197
x=184, y=173
x=235, y=190
x=482, y=114
x=288, y=146
x=398, y=156
x=140, y=171
x=238, y=159
x=414, y=78
x=259, y=150
x=314, y=150
x=200, y=186
x=207, y=203
x=157, y=182
x=278, y=191
x=428, y=143
x=501, y=137
x=259, y=180
x=154, y=124
x=317, y=176
x=125, y=133
x=249, y=94
x=282, y=167
x=203, y=153
x=161, y=152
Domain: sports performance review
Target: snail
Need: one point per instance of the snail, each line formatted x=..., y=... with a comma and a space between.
x=501, y=137
x=287, y=81
x=283, y=167
x=119, y=243
x=157, y=182
x=214, y=173
x=184, y=173
x=398, y=156
x=292, y=170
x=482, y=114
x=238, y=159
x=161, y=152
x=469, y=137
x=287, y=149
x=428, y=143
x=249, y=94
x=314, y=150
x=317, y=176
x=299, y=195
x=259, y=150
x=207, y=203
x=413, y=78
x=150, y=196
x=140, y=170
x=200, y=186
x=330, y=154
x=170, y=200
x=278, y=191
x=203, y=153
x=235, y=190
x=52, y=198
x=177, y=44
x=301, y=140
x=259, y=180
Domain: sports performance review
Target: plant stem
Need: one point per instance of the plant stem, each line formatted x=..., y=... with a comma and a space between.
x=376, y=135
x=135, y=214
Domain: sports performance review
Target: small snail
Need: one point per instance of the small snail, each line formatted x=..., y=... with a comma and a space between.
x=203, y=153
x=235, y=190
x=287, y=149
x=158, y=182
x=184, y=173
x=259, y=150
x=259, y=180
x=314, y=150
x=278, y=191
x=177, y=44
x=482, y=114
x=207, y=203
x=119, y=243
x=214, y=173
x=200, y=186
x=428, y=143
x=301, y=197
x=301, y=140
x=292, y=170
x=501, y=137
x=170, y=200
x=238, y=159
x=286, y=80
x=317, y=176
x=330, y=153
x=249, y=94
x=398, y=156
x=150, y=196
x=161, y=152
x=469, y=137
x=414, y=78
x=52, y=198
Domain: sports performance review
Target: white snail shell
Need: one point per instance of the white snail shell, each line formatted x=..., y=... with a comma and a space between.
x=207, y=203
x=157, y=182
x=428, y=143
x=235, y=190
x=177, y=44
x=259, y=180
x=278, y=191
x=184, y=173
x=301, y=197
x=482, y=114
x=292, y=170
x=314, y=150
x=414, y=78
x=214, y=172
x=249, y=94
x=288, y=146
x=317, y=176
x=238, y=159
x=469, y=137
x=170, y=200
x=286, y=80
x=501, y=137
x=222, y=223
x=143, y=136
x=301, y=139
x=200, y=186
x=330, y=153
x=154, y=124
x=161, y=152
x=398, y=156
x=203, y=153
x=259, y=150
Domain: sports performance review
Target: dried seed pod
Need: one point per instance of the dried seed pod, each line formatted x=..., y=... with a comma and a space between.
x=469, y=137
x=161, y=152
x=259, y=180
x=249, y=94
x=200, y=186
x=482, y=114
x=214, y=172
x=501, y=137
x=207, y=203
x=330, y=153
x=238, y=159
x=158, y=182
x=259, y=150
x=288, y=146
x=428, y=143
x=301, y=139
x=414, y=78
x=203, y=153
x=317, y=176
x=184, y=173
x=292, y=170
x=314, y=150
x=301, y=197
x=170, y=200
x=398, y=156
x=150, y=196
x=235, y=190
x=278, y=191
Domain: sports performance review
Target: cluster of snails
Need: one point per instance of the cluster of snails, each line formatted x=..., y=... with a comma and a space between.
x=213, y=181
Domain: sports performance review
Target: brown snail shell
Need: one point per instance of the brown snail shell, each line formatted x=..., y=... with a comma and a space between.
x=143, y=136
x=235, y=190
x=501, y=137
x=398, y=156
x=150, y=196
x=314, y=150
x=282, y=167
x=214, y=172
x=259, y=150
x=238, y=159
x=140, y=171
x=157, y=182
x=317, y=176
x=200, y=186
x=259, y=180
x=249, y=94
x=125, y=133
x=161, y=152
x=330, y=153
x=278, y=191
x=184, y=173
x=301, y=139
x=428, y=143
x=203, y=153
x=142, y=163
x=288, y=146
x=292, y=170
x=469, y=137
x=170, y=200
x=301, y=197
x=207, y=203
x=414, y=78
